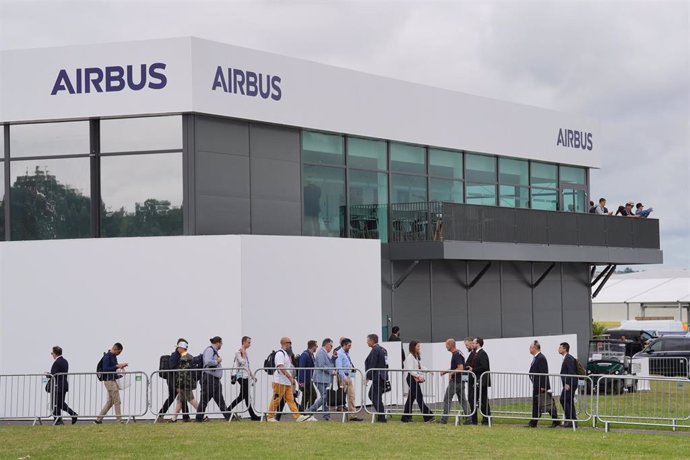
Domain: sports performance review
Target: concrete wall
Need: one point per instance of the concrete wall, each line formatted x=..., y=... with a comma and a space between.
x=84, y=295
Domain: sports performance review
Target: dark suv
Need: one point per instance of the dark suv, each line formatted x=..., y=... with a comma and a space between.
x=639, y=339
x=668, y=356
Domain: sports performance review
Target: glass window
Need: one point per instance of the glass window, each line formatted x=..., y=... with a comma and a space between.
x=484, y=194
x=408, y=158
x=574, y=200
x=366, y=153
x=142, y=195
x=324, y=201
x=573, y=175
x=50, y=199
x=480, y=168
x=544, y=174
x=140, y=134
x=322, y=148
x=445, y=163
x=445, y=190
x=408, y=189
x=41, y=139
x=2, y=198
x=368, y=205
x=546, y=199
x=513, y=197
x=513, y=172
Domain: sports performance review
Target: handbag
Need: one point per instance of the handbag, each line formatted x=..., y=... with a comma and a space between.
x=336, y=397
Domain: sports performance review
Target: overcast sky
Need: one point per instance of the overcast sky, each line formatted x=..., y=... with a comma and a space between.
x=625, y=63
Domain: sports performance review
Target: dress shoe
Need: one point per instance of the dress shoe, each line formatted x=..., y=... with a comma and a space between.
x=555, y=424
x=74, y=419
x=529, y=425
x=356, y=419
x=567, y=425
x=58, y=422
x=98, y=422
x=485, y=422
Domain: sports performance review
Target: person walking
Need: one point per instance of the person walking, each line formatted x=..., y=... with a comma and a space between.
x=211, y=386
x=414, y=379
x=305, y=373
x=323, y=377
x=59, y=386
x=456, y=385
x=346, y=376
x=184, y=382
x=568, y=368
x=542, y=400
x=479, y=365
x=374, y=367
x=283, y=381
x=243, y=376
x=110, y=366
x=171, y=379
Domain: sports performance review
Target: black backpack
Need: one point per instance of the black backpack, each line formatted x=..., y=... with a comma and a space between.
x=99, y=369
x=197, y=363
x=270, y=363
x=164, y=365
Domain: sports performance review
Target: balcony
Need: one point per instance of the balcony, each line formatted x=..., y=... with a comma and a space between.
x=460, y=231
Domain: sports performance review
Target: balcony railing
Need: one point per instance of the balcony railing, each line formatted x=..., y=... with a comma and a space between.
x=436, y=221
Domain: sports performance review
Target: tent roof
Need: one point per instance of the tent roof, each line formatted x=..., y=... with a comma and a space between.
x=657, y=286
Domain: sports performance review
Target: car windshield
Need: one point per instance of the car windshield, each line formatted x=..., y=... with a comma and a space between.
x=606, y=351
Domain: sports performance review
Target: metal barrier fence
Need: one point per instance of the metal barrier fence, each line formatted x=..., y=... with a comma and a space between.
x=341, y=396
x=668, y=367
x=25, y=397
x=666, y=403
x=173, y=390
x=524, y=396
x=430, y=395
x=91, y=397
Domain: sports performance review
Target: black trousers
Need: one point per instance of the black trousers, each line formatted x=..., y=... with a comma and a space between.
x=568, y=403
x=243, y=396
x=211, y=388
x=59, y=404
x=308, y=396
x=483, y=400
x=172, y=394
x=543, y=402
x=415, y=394
x=376, y=397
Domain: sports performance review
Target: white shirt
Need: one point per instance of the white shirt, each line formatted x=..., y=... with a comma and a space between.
x=282, y=359
x=412, y=365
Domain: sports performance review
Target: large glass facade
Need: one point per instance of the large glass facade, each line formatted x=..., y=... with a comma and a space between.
x=324, y=201
x=141, y=134
x=43, y=139
x=408, y=189
x=141, y=195
x=513, y=183
x=407, y=158
x=368, y=200
x=366, y=154
x=320, y=148
x=50, y=199
x=544, y=180
x=480, y=175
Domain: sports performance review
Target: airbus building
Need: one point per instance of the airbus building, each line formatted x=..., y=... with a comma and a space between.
x=392, y=203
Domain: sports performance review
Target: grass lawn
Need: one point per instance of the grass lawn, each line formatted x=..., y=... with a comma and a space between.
x=330, y=440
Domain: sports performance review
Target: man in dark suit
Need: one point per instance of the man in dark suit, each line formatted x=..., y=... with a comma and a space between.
x=59, y=386
x=479, y=366
x=377, y=359
x=569, y=384
x=542, y=401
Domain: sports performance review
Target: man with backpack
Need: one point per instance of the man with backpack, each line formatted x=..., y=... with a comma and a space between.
x=211, y=386
x=108, y=367
x=283, y=381
x=173, y=362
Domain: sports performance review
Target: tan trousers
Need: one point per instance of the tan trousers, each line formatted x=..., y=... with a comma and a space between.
x=281, y=392
x=349, y=389
x=113, y=400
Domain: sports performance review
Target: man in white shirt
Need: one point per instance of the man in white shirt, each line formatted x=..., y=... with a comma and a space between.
x=282, y=381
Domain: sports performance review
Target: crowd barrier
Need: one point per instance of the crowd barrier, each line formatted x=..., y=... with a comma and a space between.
x=666, y=403
x=403, y=394
x=88, y=395
x=166, y=386
x=668, y=367
x=511, y=396
x=336, y=394
x=24, y=397
x=643, y=401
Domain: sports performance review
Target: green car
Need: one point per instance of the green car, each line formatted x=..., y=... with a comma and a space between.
x=608, y=357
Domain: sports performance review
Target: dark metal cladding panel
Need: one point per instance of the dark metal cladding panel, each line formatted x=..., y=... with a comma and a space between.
x=498, y=225
x=619, y=231
x=646, y=233
x=531, y=227
x=562, y=228
x=591, y=229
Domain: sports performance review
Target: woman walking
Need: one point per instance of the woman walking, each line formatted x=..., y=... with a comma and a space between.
x=243, y=375
x=414, y=379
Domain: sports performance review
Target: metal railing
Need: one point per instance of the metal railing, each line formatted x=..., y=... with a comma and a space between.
x=524, y=396
x=336, y=397
x=436, y=221
x=666, y=403
x=177, y=392
x=25, y=397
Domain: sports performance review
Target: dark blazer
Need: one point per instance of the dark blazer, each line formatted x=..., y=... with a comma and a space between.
x=306, y=359
x=569, y=368
x=376, y=360
x=60, y=366
x=539, y=366
x=481, y=365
